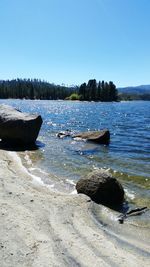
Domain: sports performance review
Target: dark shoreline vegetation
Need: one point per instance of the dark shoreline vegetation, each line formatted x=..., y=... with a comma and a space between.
x=37, y=89
x=92, y=91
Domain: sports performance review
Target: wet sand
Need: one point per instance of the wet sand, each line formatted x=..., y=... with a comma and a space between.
x=42, y=228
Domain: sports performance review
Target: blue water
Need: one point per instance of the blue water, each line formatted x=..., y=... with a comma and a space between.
x=127, y=156
x=61, y=162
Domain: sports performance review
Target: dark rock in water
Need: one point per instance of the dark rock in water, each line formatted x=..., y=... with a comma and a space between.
x=102, y=188
x=64, y=134
x=18, y=127
x=102, y=137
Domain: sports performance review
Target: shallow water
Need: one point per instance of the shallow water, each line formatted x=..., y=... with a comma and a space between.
x=61, y=163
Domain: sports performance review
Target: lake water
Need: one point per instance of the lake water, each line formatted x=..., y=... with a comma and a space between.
x=61, y=162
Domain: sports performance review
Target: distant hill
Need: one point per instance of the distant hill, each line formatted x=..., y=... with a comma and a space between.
x=138, y=90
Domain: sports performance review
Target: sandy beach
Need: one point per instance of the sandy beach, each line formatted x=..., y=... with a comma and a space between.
x=42, y=228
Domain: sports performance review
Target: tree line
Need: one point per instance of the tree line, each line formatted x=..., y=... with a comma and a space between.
x=33, y=89
x=37, y=89
x=98, y=91
x=131, y=96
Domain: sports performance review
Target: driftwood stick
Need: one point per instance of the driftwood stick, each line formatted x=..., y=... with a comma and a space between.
x=134, y=212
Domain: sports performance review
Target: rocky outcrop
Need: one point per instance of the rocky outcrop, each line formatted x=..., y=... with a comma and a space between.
x=102, y=137
x=18, y=127
x=102, y=188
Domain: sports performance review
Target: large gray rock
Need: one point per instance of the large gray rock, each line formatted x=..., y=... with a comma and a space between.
x=18, y=127
x=102, y=188
x=102, y=137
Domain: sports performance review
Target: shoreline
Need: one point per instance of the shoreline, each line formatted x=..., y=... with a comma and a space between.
x=42, y=228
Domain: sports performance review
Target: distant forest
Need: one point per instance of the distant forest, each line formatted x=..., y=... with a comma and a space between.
x=37, y=89
x=33, y=89
x=131, y=96
x=141, y=92
x=101, y=91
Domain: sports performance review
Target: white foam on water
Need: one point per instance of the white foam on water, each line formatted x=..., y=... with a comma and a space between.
x=17, y=159
x=70, y=182
x=28, y=160
x=130, y=194
x=74, y=192
x=38, y=169
x=50, y=186
x=35, y=179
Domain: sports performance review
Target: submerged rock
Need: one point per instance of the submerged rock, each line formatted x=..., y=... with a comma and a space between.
x=18, y=127
x=102, y=188
x=64, y=134
x=102, y=137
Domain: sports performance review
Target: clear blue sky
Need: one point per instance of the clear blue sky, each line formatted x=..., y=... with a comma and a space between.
x=72, y=41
